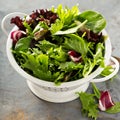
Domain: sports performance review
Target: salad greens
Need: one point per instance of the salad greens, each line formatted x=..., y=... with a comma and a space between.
x=95, y=20
x=90, y=106
x=60, y=44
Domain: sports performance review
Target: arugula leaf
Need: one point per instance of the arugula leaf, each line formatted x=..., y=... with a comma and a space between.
x=96, y=21
x=74, y=42
x=89, y=105
x=97, y=59
x=98, y=56
x=23, y=44
x=114, y=109
x=88, y=67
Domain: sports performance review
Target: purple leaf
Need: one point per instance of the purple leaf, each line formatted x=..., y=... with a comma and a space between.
x=105, y=101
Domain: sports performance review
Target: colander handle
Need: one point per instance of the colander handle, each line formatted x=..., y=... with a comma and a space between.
x=5, y=19
x=111, y=75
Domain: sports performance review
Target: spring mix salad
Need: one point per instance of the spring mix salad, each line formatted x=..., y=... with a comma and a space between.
x=60, y=44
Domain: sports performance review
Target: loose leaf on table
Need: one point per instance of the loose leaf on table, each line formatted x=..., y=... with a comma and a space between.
x=114, y=109
x=96, y=91
x=89, y=106
x=95, y=21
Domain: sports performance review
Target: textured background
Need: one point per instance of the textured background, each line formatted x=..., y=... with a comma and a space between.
x=16, y=100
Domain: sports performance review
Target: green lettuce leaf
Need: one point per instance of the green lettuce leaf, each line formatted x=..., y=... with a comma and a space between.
x=57, y=54
x=114, y=109
x=38, y=64
x=45, y=45
x=58, y=25
x=28, y=27
x=70, y=66
x=66, y=18
x=89, y=106
x=96, y=91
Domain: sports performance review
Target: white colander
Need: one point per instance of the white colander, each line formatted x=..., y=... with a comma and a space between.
x=48, y=90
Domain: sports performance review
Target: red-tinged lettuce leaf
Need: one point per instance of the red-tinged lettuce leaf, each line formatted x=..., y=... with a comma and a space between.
x=16, y=35
x=45, y=15
x=91, y=36
x=75, y=57
x=105, y=101
x=19, y=22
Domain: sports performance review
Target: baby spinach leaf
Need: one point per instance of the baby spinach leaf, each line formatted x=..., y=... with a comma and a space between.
x=23, y=44
x=74, y=42
x=95, y=21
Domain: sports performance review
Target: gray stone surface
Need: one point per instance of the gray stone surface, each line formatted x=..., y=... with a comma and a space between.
x=16, y=100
